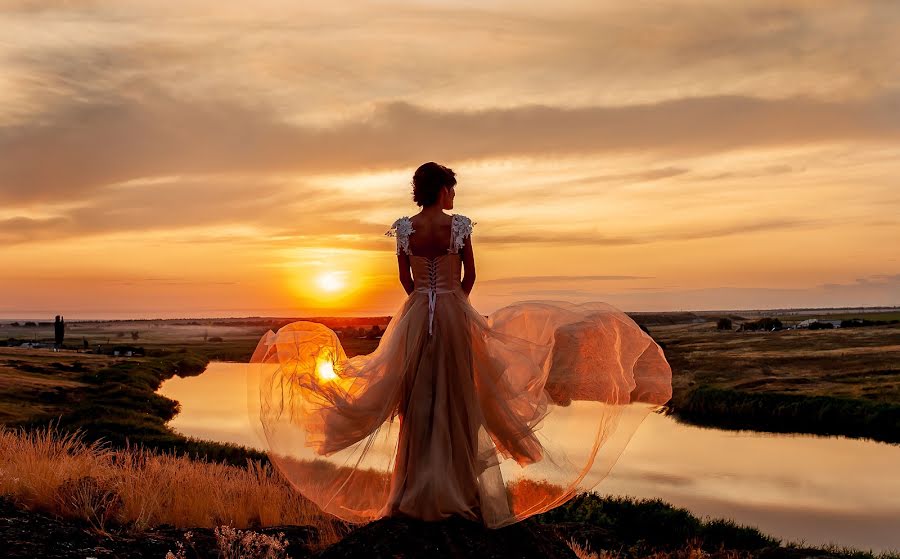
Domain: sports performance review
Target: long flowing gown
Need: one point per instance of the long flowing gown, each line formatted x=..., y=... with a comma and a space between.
x=493, y=419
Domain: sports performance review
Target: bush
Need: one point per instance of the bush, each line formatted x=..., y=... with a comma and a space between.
x=860, y=322
x=652, y=523
x=766, y=323
x=791, y=413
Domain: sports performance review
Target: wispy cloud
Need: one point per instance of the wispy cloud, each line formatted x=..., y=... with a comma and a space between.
x=751, y=145
x=88, y=146
x=538, y=279
x=871, y=291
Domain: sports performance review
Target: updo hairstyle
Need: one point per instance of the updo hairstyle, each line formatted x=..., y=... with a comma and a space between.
x=428, y=180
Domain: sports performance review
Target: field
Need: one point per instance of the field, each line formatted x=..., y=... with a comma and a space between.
x=219, y=339
x=859, y=363
x=844, y=381
x=841, y=381
x=838, y=381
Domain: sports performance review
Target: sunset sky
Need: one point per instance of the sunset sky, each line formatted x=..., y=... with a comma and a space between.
x=216, y=158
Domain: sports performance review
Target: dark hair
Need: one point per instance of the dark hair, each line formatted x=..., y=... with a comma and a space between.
x=428, y=181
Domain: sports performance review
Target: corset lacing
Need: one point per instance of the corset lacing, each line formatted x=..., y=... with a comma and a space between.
x=432, y=290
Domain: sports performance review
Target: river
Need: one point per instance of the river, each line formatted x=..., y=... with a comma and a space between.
x=813, y=489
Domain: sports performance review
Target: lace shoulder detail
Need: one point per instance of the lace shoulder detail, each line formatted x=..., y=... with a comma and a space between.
x=460, y=228
x=402, y=229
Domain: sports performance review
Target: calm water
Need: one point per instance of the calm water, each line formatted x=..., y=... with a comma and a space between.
x=795, y=487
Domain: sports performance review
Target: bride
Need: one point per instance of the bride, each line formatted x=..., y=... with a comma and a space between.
x=493, y=419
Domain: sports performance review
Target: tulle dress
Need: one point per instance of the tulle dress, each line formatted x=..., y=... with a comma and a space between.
x=493, y=419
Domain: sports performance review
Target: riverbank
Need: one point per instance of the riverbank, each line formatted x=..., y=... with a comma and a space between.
x=106, y=398
x=790, y=413
x=843, y=381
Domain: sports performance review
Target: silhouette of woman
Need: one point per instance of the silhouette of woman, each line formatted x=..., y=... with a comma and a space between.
x=493, y=419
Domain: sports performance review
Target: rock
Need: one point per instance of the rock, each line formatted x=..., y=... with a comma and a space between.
x=400, y=538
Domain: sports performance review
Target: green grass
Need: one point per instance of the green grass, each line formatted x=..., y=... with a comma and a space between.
x=841, y=381
x=791, y=413
x=628, y=528
x=644, y=526
x=118, y=403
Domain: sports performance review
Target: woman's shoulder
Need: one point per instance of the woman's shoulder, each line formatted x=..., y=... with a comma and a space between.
x=459, y=222
x=401, y=227
x=461, y=229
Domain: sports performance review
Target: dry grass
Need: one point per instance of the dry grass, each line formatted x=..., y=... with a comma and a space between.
x=583, y=551
x=60, y=474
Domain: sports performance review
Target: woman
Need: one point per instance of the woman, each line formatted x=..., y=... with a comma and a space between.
x=491, y=419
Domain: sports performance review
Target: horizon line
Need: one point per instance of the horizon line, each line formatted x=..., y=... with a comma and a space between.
x=325, y=316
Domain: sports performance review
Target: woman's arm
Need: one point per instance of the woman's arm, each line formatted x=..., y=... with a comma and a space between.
x=405, y=274
x=468, y=257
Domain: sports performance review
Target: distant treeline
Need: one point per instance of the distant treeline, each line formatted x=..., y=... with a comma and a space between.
x=106, y=349
x=665, y=318
x=369, y=333
x=857, y=322
x=767, y=323
x=773, y=324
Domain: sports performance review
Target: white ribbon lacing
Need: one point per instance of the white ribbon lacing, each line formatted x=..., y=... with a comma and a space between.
x=432, y=291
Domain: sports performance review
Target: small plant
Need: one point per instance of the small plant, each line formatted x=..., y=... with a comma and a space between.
x=180, y=553
x=246, y=544
x=91, y=498
x=581, y=551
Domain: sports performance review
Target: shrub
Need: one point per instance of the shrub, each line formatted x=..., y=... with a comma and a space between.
x=766, y=323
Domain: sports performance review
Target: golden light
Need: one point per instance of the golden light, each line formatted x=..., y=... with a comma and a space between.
x=325, y=369
x=331, y=281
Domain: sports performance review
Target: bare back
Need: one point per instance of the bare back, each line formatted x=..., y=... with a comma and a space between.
x=433, y=235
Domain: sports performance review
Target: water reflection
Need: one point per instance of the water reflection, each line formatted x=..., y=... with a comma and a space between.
x=816, y=489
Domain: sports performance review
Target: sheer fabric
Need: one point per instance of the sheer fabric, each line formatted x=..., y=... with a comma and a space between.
x=494, y=419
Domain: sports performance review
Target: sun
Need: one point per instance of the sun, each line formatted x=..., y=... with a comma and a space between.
x=325, y=370
x=331, y=282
